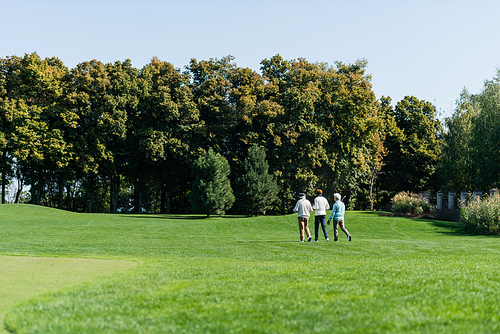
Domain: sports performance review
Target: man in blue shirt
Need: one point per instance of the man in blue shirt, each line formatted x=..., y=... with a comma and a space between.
x=338, y=211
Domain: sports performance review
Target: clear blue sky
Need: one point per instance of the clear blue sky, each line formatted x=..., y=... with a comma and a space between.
x=429, y=49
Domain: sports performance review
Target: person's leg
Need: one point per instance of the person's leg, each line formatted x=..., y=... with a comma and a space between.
x=306, y=220
x=316, y=227
x=335, y=230
x=322, y=220
x=301, y=228
x=342, y=226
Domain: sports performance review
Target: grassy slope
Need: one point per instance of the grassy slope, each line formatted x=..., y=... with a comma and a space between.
x=250, y=275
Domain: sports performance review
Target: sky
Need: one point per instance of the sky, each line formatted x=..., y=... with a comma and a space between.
x=429, y=49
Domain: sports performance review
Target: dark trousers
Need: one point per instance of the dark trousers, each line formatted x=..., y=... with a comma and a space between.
x=317, y=221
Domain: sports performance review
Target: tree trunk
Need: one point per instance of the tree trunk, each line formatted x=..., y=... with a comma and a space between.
x=39, y=194
x=114, y=193
x=117, y=193
x=137, y=196
x=168, y=208
x=373, y=180
x=3, y=189
x=111, y=194
x=20, y=186
x=165, y=200
x=60, y=190
x=33, y=188
x=4, y=156
x=91, y=193
x=69, y=196
x=163, y=197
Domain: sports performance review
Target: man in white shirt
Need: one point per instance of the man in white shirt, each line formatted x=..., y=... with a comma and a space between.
x=304, y=209
x=320, y=205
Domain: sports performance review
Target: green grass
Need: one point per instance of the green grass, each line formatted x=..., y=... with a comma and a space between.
x=22, y=278
x=251, y=275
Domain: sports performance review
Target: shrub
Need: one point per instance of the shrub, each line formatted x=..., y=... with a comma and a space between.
x=406, y=202
x=481, y=215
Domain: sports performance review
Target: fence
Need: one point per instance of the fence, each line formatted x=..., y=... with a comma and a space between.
x=451, y=200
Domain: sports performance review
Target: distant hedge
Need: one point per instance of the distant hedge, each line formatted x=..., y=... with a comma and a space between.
x=481, y=215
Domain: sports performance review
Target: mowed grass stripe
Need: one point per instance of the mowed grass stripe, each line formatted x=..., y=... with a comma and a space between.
x=251, y=275
x=23, y=278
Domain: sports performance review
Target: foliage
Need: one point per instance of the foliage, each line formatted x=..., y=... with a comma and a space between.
x=413, y=153
x=470, y=158
x=326, y=133
x=485, y=145
x=160, y=134
x=211, y=192
x=457, y=156
x=406, y=202
x=257, y=189
x=481, y=215
x=32, y=119
x=81, y=138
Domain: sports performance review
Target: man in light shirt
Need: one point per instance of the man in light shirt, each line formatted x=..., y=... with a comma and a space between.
x=320, y=205
x=304, y=209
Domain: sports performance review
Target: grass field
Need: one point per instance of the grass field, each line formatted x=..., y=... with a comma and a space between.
x=187, y=274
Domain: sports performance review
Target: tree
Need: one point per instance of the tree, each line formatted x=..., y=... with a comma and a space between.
x=6, y=118
x=211, y=192
x=485, y=141
x=293, y=139
x=100, y=104
x=210, y=87
x=123, y=94
x=32, y=99
x=6, y=171
x=257, y=189
x=470, y=155
x=351, y=116
x=160, y=132
x=457, y=152
x=413, y=154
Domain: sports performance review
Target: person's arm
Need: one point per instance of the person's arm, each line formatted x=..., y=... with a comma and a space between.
x=331, y=216
x=296, y=207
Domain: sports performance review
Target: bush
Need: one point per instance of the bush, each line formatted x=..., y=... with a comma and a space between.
x=481, y=215
x=406, y=202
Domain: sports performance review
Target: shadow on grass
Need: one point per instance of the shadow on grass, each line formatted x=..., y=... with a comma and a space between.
x=450, y=228
x=457, y=229
x=183, y=216
x=447, y=227
x=268, y=242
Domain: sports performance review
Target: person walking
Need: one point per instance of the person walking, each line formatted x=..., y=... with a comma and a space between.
x=320, y=205
x=304, y=209
x=338, y=211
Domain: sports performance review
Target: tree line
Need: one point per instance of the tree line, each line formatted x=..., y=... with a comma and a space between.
x=110, y=137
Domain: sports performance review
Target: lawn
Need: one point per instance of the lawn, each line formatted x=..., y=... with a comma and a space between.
x=189, y=274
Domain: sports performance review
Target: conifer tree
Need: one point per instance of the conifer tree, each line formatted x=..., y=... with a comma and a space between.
x=257, y=189
x=211, y=192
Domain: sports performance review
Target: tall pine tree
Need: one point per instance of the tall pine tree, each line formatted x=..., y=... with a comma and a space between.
x=257, y=189
x=211, y=192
